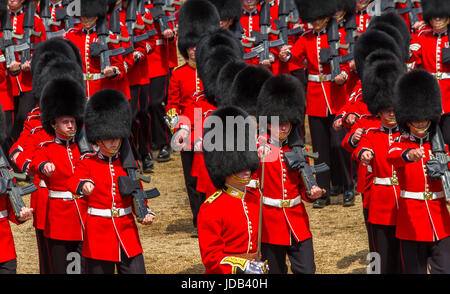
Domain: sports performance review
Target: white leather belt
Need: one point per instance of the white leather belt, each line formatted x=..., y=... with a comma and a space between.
x=109, y=213
x=253, y=184
x=442, y=75
x=422, y=195
x=2, y=58
x=3, y=213
x=93, y=77
x=282, y=203
x=159, y=42
x=66, y=195
x=319, y=78
x=385, y=181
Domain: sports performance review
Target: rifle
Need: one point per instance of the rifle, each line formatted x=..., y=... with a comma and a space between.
x=101, y=49
x=7, y=44
x=412, y=11
x=377, y=7
x=296, y=160
x=130, y=185
x=9, y=186
x=83, y=143
x=351, y=30
x=131, y=21
x=262, y=38
x=159, y=14
x=437, y=165
x=284, y=10
x=28, y=31
x=48, y=22
x=331, y=55
x=61, y=15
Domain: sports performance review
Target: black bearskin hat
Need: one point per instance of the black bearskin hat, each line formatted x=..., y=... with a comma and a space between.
x=370, y=41
x=379, y=83
x=213, y=52
x=310, y=10
x=417, y=98
x=236, y=153
x=107, y=116
x=91, y=8
x=396, y=27
x=435, y=8
x=282, y=96
x=195, y=18
x=225, y=79
x=62, y=95
x=228, y=9
x=246, y=87
x=348, y=6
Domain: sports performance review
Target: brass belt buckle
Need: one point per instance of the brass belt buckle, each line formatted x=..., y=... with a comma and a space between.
x=394, y=181
x=75, y=196
x=114, y=212
x=322, y=78
x=438, y=75
x=428, y=195
x=285, y=203
x=89, y=77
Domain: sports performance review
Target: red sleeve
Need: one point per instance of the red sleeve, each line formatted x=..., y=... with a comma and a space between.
x=174, y=96
x=397, y=154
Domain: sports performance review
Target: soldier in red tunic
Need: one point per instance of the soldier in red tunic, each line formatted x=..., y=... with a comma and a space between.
x=430, y=51
x=228, y=219
x=22, y=83
x=285, y=223
x=8, y=261
x=54, y=163
x=196, y=18
x=324, y=96
x=111, y=237
x=423, y=219
x=378, y=88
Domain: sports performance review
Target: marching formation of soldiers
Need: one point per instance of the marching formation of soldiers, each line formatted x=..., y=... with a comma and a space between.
x=89, y=87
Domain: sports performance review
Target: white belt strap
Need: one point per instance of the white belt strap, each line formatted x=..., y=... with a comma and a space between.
x=422, y=195
x=93, y=77
x=42, y=184
x=253, y=184
x=66, y=195
x=2, y=58
x=109, y=213
x=319, y=78
x=282, y=203
x=159, y=42
x=441, y=75
x=385, y=181
x=3, y=213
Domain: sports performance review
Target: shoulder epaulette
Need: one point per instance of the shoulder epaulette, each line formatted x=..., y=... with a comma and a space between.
x=181, y=65
x=213, y=196
x=87, y=155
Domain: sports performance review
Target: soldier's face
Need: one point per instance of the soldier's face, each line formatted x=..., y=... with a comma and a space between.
x=226, y=23
x=439, y=22
x=110, y=146
x=88, y=21
x=339, y=15
x=320, y=24
x=362, y=4
x=240, y=179
x=15, y=4
x=249, y=4
x=191, y=53
x=387, y=117
x=419, y=128
x=280, y=132
x=65, y=126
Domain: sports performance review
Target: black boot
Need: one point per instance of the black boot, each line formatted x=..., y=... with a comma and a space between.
x=349, y=198
x=147, y=164
x=164, y=154
x=321, y=202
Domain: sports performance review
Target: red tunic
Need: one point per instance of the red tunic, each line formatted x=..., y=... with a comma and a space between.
x=7, y=249
x=322, y=97
x=6, y=91
x=65, y=218
x=383, y=198
x=103, y=236
x=249, y=22
x=279, y=183
x=418, y=220
x=91, y=65
x=227, y=226
x=427, y=49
